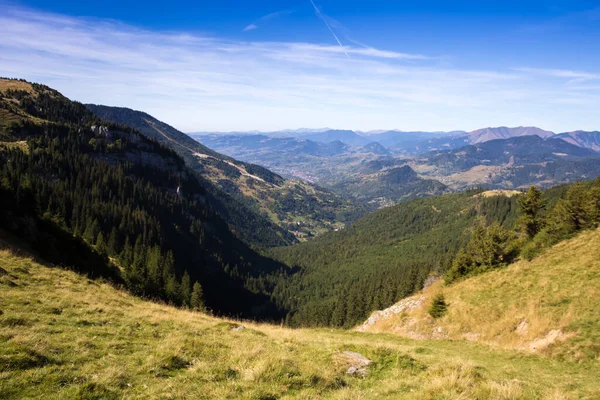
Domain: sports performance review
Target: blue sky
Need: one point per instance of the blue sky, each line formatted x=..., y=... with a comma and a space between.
x=268, y=65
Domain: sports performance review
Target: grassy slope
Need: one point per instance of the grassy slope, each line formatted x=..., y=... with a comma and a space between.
x=517, y=306
x=64, y=336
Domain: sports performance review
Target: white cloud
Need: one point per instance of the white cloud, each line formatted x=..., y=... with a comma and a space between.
x=210, y=83
x=265, y=18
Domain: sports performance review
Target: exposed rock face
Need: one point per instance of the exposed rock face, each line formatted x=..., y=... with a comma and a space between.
x=410, y=303
x=358, y=363
x=100, y=130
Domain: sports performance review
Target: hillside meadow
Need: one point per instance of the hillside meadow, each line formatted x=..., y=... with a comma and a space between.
x=66, y=336
x=546, y=305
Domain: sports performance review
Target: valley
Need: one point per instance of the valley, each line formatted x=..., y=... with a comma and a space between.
x=300, y=209
x=307, y=200
x=384, y=168
x=117, y=230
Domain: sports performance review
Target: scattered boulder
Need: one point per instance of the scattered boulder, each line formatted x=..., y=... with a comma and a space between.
x=238, y=328
x=358, y=363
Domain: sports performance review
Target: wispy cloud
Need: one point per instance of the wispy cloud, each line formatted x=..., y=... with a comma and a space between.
x=322, y=17
x=205, y=82
x=561, y=73
x=255, y=25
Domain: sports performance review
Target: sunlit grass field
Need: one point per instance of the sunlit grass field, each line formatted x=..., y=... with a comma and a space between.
x=548, y=305
x=65, y=336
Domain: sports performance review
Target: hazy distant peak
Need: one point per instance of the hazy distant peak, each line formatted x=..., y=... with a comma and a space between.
x=503, y=132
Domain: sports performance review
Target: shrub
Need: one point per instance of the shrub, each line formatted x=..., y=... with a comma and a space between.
x=438, y=307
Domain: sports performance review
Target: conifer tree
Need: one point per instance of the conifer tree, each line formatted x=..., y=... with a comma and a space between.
x=197, y=299
x=100, y=244
x=91, y=231
x=185, y=290
x=172, y=290
x=531, y=205
x=139, y=253
x=154, y=270
x=127, y=254
x=439, y=307
x=112, y=246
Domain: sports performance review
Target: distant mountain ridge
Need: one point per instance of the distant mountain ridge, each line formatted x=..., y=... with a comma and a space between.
x=503, y=132
x=588, y=140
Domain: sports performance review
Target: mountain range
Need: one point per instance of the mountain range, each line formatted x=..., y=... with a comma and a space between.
x=358, y=165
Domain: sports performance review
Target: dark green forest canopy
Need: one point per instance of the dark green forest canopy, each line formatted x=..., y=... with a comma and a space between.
x=387, y=255
x=382, y=258
x=80, y=190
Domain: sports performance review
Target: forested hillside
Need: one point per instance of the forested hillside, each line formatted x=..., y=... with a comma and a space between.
x=389, y=254
x=105, y=199
x=81, y=190
x=510, y=163
x=381, y=258
x=254, y=194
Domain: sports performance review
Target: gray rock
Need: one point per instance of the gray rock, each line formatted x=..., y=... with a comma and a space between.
x=358, y=363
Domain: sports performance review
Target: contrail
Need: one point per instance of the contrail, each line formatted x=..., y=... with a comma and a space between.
x=328, y=27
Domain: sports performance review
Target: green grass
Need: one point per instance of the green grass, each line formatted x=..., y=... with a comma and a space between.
x=65, y=336
x=522, y=305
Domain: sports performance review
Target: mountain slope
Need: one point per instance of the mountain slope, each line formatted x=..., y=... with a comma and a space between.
x=375, y=148
x=519, y=151
x=510, y=163
x=256, y=188
x=350, y=138
x=541, y=306
x=589, y=140
x=80, y=190
x=410, y=142
x=503, y=132
x=476, y=137
x=65, y=336
x=350, y=172
x=389, y=186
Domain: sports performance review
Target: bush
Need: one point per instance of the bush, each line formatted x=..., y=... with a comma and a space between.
x=439, y=307
x=542, y=240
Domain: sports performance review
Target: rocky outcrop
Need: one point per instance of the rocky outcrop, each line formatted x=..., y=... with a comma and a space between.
x=410, y=303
